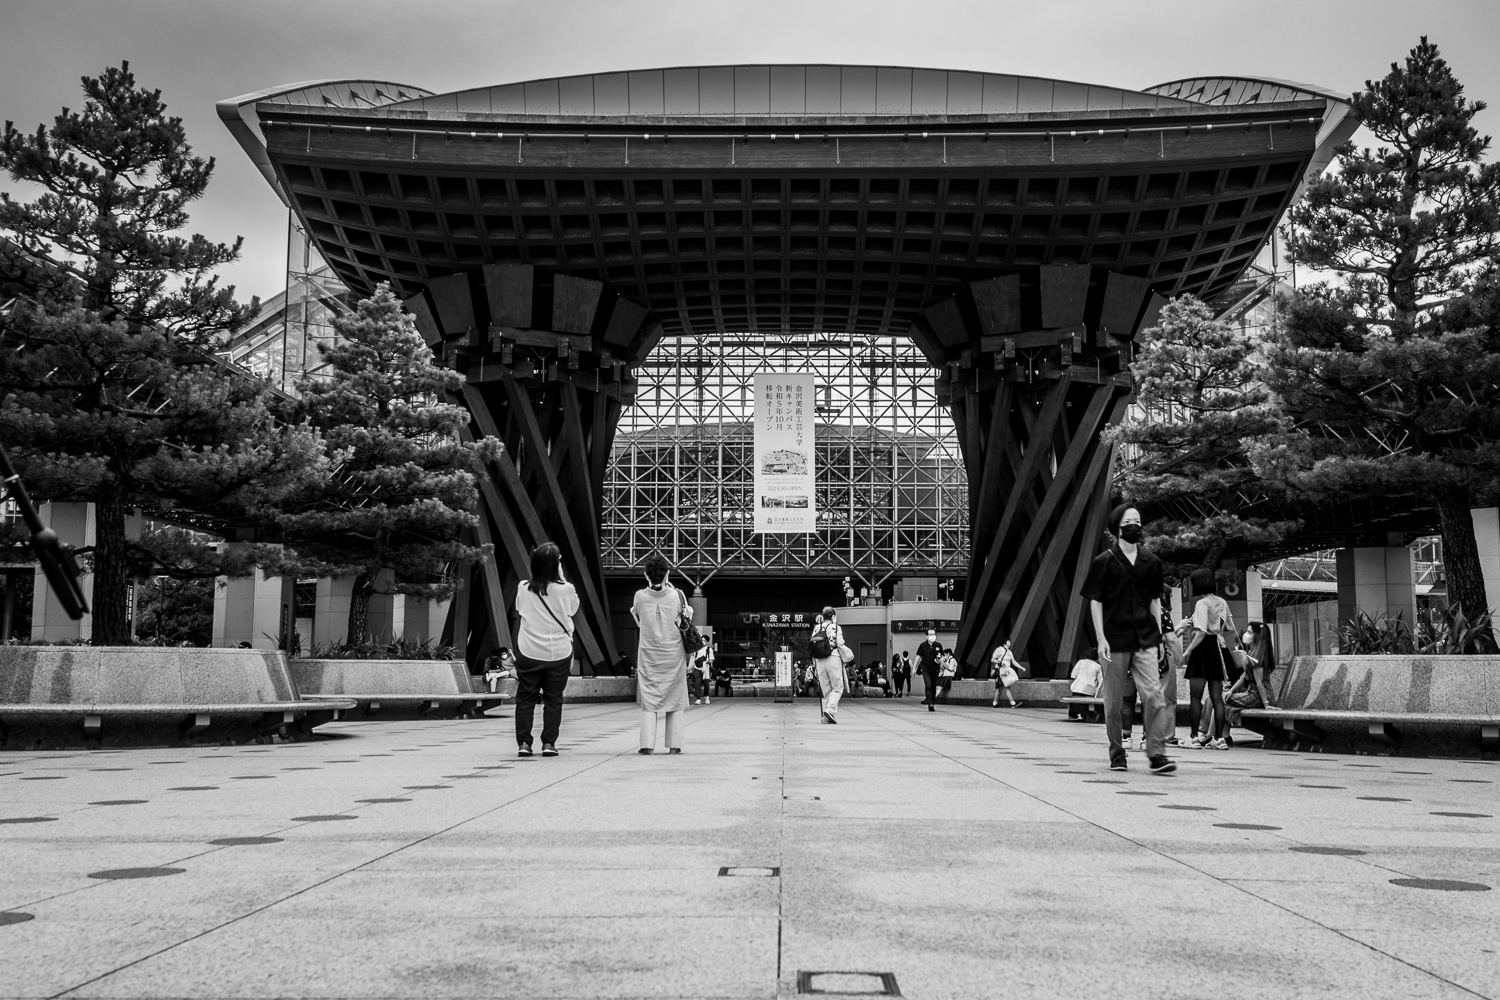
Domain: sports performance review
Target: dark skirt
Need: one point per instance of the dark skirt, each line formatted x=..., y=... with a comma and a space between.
x=1207, y=661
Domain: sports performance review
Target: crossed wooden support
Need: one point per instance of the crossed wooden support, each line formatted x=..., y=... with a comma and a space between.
x=1033, y=368
x=1033, y=372
x=547, y=363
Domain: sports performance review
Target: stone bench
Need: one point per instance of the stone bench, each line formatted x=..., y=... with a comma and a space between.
x=1382, y=698
x=1094, y=707
x=137, y=695
x=387, y=689
x=1033, y=691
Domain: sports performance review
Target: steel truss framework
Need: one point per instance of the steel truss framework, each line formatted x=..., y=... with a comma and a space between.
x=892, y=494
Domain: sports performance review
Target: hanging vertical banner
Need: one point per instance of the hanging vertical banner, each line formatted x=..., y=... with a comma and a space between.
x=784, y=472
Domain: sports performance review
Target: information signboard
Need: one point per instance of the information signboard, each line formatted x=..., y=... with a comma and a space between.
x=783, y=668
x=785, y=478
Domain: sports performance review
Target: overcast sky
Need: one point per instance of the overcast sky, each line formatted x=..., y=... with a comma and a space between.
x=200, y=52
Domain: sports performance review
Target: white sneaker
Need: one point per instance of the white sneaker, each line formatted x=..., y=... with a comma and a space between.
x=705, y=701
x=1218, y=744
x=697, y=701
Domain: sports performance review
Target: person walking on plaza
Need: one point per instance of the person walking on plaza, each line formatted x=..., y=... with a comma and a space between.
x=1213, y=630
x=824, y=645
x=1123, y=588
x=1003, y=661
x=546, y=604
x=661, y=661
x=906, y=670
x=700, y=675
x=928, y=655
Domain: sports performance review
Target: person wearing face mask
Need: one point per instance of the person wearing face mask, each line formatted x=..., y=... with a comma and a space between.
x=928, y=655
x=1123, y=588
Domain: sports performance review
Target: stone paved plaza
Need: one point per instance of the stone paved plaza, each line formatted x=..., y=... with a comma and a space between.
x=968, y=853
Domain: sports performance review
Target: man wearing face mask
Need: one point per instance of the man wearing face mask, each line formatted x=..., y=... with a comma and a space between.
x=1123, y=588
x=927, y=661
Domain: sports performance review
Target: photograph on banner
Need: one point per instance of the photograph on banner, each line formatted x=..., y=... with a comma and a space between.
x=785, y=480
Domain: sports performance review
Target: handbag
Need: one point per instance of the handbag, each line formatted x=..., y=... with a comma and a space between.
x=846, y=655
x=692, y=639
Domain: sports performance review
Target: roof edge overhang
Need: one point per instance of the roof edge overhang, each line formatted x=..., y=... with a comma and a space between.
x=239, y=114
x=788, y=125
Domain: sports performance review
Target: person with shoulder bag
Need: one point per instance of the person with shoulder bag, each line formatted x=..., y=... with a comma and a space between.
x=1006, y=674
x=827, y=646
x=665, y=619
x=545, y=604
x=1206, y=652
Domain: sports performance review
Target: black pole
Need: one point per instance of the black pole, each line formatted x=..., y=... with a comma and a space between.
x=55, y=557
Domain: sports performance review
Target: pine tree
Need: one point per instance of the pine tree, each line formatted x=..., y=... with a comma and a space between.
x=403, y=493
x=1198, y=384
x=1394, y=392
x=108, y=390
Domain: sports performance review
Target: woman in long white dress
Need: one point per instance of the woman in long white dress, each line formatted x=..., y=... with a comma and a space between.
x=661, y=662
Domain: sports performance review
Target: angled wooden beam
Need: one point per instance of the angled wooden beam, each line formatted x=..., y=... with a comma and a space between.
x=1062, y=480
x=585, y=510
x=517, y=547
x=1031, y=462
x=1039, y=592
x=585, y=560
x=1088, y=548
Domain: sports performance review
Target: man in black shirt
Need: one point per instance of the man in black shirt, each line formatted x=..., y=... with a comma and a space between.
x=927, y=662
x=1123, y=589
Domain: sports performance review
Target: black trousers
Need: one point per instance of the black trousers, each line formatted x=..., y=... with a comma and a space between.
x=722, y=684
x=930, y=681
x=545, y=680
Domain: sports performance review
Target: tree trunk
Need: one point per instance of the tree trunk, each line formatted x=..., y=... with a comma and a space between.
x=359, y=607
x=111, y=595
x=1461, y=555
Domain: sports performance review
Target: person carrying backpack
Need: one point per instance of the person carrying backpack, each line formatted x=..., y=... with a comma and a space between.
x=824, y=645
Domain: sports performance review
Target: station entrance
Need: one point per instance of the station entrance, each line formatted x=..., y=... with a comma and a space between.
x=969, y=258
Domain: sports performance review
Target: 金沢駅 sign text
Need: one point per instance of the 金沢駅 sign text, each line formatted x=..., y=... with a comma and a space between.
x=785, y=499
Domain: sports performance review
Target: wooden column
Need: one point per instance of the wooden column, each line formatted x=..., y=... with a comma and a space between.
x=552, y=398
x=1033, y=371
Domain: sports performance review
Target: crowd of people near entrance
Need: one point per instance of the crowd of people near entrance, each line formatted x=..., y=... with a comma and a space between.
x=1141, y=654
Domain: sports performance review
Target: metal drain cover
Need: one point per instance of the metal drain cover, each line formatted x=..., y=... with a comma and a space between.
x=852, y=984
x=731, y=871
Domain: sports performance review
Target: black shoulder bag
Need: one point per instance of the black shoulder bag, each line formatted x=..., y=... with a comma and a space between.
x=692, y=639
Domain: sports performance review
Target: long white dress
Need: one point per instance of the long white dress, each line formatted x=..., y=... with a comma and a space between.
x=661, y=662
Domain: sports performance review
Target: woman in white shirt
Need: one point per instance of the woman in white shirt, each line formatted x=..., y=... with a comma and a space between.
x=546, y=605
x=661, y=660
x=1205, y=654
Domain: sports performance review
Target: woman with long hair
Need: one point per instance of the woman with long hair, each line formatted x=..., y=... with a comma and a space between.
x=1253, y=689
x=545, y=604
x=661, y=662
x=1205, y=653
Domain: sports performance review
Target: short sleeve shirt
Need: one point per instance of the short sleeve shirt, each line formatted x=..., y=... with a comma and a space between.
x=1126, y=592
